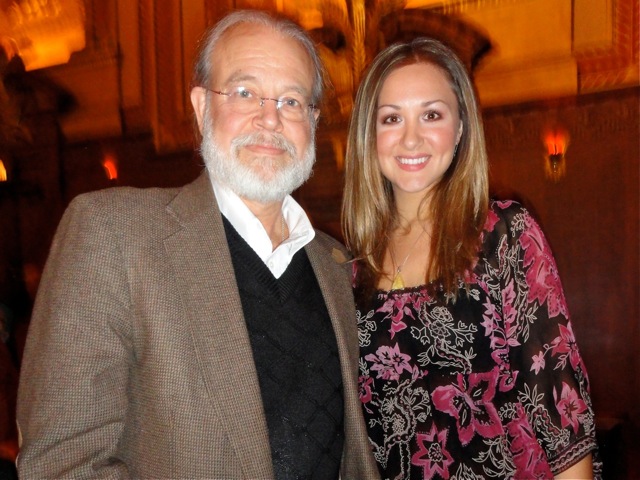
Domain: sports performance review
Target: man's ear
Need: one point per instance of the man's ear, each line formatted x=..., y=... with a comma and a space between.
x=199, y=100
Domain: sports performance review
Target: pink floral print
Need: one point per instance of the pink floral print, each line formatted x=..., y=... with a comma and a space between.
x=491, y=386
x=528, y=457
x=432, y=455
x=570, y=406
x=389, y=362
x=470, y=402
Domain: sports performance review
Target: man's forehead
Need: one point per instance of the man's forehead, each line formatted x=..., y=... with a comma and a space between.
x=249, y=37
x=258, y=52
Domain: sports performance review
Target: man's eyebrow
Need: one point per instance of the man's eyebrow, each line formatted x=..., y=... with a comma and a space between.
x=240, y=77
x=245, y=77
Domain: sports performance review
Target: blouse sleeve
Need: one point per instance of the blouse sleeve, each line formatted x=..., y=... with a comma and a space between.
x=551, y=379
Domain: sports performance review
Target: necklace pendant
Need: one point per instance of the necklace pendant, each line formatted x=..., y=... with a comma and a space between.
x=397, y=283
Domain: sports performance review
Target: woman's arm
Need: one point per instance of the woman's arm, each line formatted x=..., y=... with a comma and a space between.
x=581, y=470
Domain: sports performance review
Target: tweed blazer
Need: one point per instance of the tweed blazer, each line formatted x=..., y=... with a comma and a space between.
x=138, y=362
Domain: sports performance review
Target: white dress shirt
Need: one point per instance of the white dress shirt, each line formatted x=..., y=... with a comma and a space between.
x=251, y=230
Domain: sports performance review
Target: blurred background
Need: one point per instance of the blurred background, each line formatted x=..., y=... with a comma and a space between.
x=94, y=94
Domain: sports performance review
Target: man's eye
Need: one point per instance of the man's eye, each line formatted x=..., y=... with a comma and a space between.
x=290, y=102
x=244, y=93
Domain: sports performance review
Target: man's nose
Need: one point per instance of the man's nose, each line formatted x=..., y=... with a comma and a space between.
x=269, y=114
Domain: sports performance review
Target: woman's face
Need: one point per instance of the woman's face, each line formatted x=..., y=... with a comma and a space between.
x=417, y=128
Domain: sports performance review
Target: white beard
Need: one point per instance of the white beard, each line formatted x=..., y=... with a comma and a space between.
x=250, y=183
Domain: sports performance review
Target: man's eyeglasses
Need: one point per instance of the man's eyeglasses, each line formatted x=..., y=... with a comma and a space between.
x=246, y=101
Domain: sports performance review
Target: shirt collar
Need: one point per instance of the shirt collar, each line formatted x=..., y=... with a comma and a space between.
x=301, y=231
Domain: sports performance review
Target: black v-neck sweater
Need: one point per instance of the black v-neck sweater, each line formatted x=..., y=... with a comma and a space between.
x=296, y=357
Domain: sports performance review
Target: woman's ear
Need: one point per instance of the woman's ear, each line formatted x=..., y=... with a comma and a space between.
x=460, y=130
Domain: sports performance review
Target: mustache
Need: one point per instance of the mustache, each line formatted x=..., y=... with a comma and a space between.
x=276, y=140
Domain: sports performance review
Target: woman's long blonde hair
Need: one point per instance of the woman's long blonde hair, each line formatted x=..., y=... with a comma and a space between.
x=458, y=203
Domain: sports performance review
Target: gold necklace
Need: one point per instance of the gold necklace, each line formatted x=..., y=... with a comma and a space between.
x=398, y=282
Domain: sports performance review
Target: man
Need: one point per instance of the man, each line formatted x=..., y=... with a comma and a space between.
x=206, y=331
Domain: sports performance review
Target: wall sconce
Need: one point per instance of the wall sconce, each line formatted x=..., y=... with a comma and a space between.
x=3, y=172
x=110, y=165
x=555, y=163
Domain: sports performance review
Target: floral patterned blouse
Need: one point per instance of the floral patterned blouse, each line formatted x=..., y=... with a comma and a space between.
x=491, y=386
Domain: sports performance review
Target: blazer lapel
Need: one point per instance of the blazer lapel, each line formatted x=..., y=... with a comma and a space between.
x=358, y=461
x=199, y=255
x=338, y=297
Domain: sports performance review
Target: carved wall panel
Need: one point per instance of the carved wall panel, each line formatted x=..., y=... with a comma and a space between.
x=613, y=62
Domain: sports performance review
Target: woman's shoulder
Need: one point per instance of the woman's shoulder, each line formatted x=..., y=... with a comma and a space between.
x=507, y=208
x=502, y=215
x=506, y=219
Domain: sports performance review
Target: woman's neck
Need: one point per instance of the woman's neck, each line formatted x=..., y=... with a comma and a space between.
x=411, y=210
x=407, y=255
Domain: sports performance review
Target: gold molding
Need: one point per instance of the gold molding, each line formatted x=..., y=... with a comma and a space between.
x=461, y=6
x=616, y=65
x=597, y=115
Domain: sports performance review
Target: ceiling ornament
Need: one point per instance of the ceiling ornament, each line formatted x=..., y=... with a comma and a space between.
x=43, y=33
x=351, y=33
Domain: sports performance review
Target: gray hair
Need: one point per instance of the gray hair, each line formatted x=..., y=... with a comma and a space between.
x=202, y=67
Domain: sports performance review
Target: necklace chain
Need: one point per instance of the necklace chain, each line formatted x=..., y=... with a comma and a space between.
x=397, y=282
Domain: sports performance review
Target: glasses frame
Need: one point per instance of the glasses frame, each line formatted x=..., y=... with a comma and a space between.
x=310, y=106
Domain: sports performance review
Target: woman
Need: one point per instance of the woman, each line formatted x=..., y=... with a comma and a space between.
x=469, y=366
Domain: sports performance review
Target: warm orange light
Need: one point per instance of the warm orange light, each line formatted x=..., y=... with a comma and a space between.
x=110, y=165
x=555, y=164
x=3, y=172
x=44, y=33
x=556, y=142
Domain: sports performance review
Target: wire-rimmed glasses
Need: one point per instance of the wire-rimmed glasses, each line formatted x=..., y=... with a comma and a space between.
x=246, y=101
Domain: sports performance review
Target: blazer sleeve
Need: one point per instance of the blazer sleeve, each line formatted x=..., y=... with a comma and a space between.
x=72, y=399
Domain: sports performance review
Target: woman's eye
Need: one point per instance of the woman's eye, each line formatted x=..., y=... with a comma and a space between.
x=432, y=115
x=391, y=119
